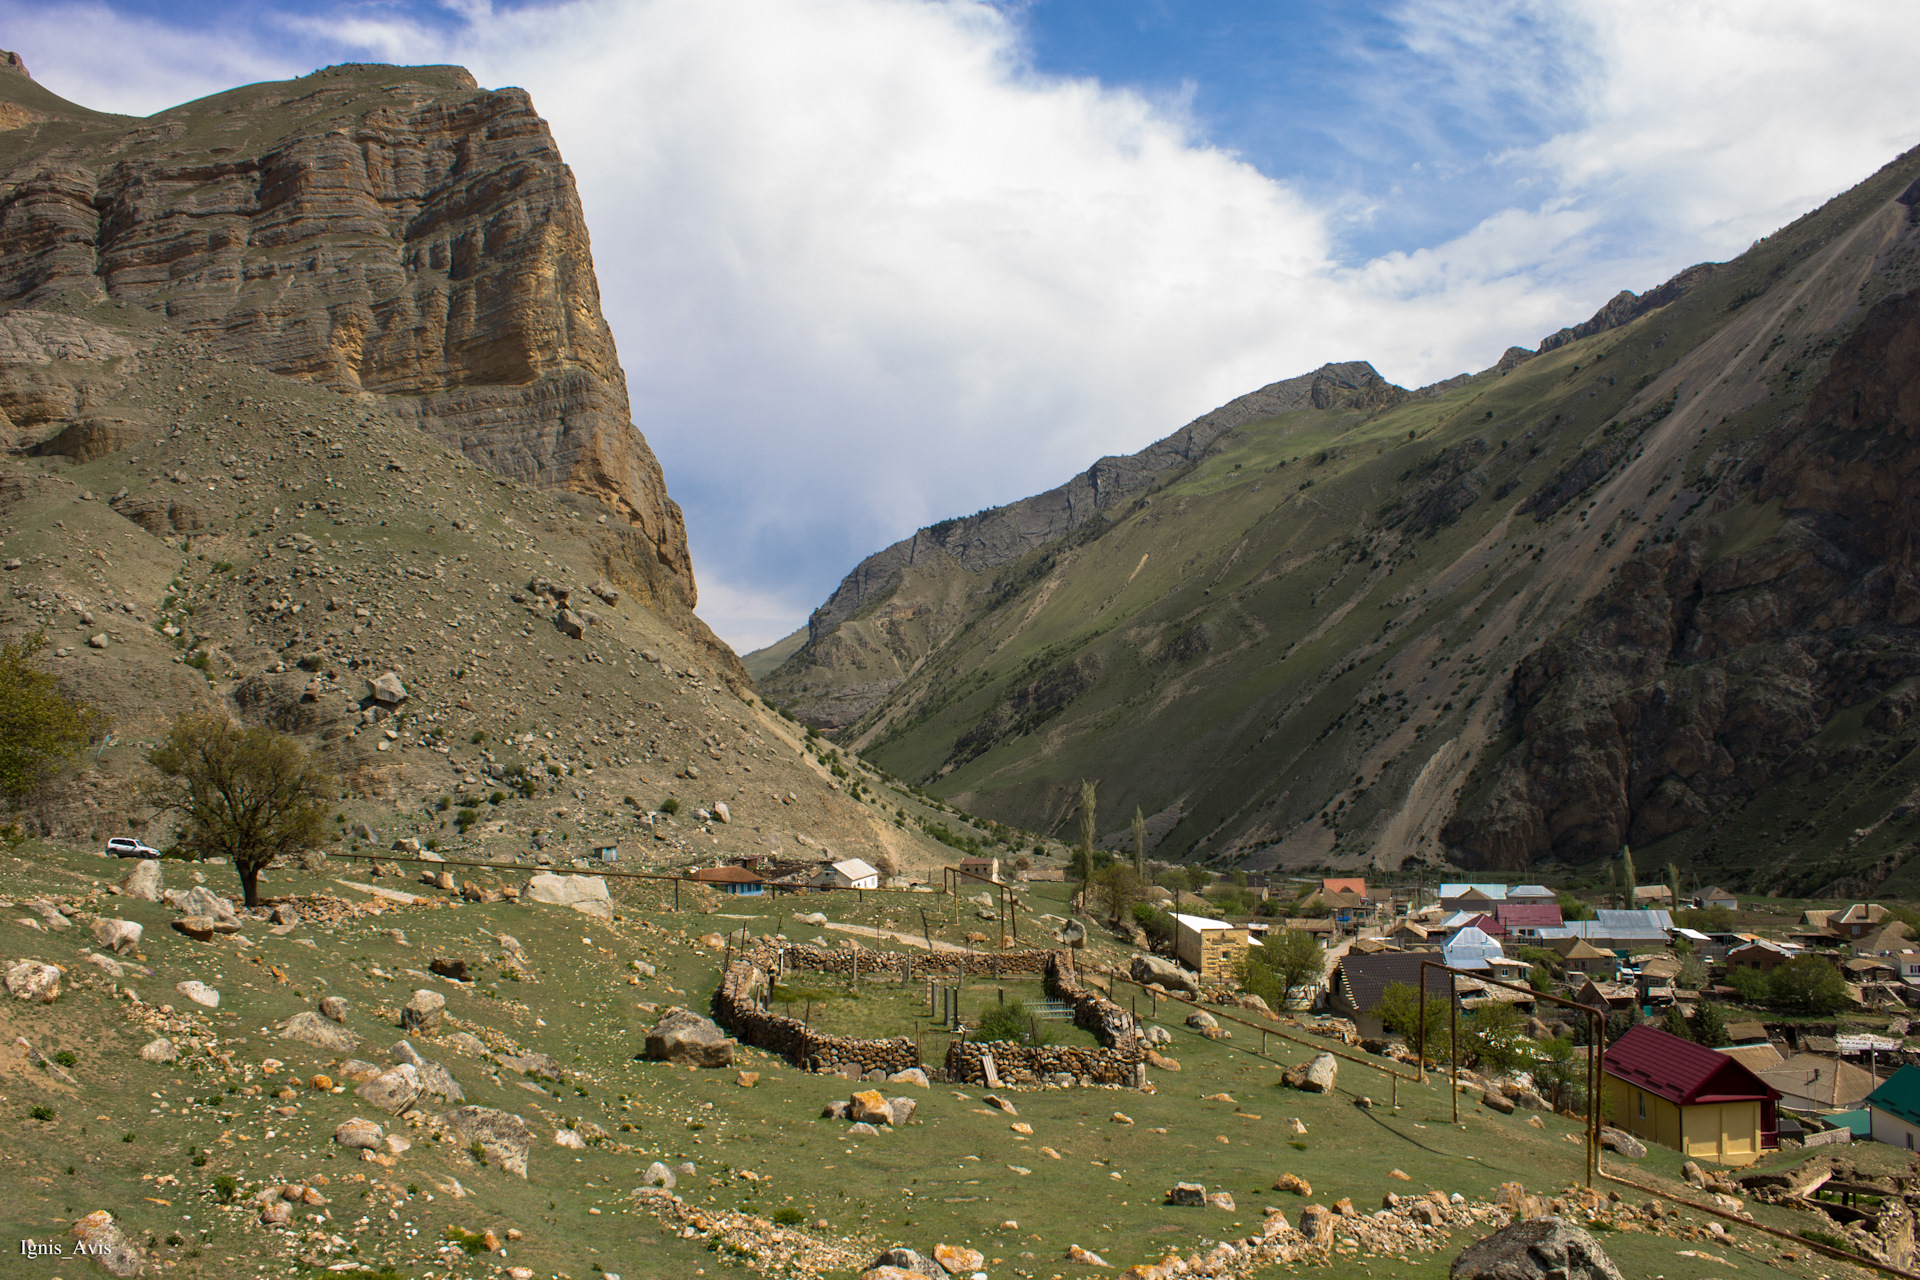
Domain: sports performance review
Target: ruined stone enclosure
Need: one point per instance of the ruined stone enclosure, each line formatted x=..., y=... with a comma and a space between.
x=741, y=1006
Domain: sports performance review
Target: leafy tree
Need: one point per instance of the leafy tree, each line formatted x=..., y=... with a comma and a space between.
x=1116, y=889
x=1709, y=1025
x=1809, y=984
x=1707, y=919
x=1494, y=1037
x=1555, y=1071
x=1287, y=963
x=1673, y=884
x=1083, y=860
x=1158, y=924
x=1574, y=907
x=1674, y=1023
x=1752, y=985
x=1399, y=1012
x=1693, y=973
x=1139, y=843
x=41, y=728
x=249, y=795
x=1198, y=877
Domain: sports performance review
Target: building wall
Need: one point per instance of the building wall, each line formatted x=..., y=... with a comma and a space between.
x=1894, y=1131
x=1212, y=953
x=1728, y=1132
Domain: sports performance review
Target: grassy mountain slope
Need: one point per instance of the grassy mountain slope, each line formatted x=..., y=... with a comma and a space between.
x=1301, y=649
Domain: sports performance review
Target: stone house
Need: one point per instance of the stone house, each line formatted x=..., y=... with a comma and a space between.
x=1211, y=948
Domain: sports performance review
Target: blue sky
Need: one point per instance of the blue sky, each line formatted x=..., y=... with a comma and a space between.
x=875, y=262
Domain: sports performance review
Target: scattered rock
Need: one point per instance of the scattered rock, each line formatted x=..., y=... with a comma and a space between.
x=686, y=1037
x=1497, y=1102
x=995, y=1100
x=393, y=1091
x=1623, y=1143
x=911, y=1263
x=569, y=1138
x=912, y=1075
x=1295, y=1183
x=387, y=690
x=1317, y=1076
x=586, y=894
x=504, y=1138
x=747, y=1079
x=1220, y=1200
x=144, y=881
x=861, y=1129
x=310, y=1028
x=107, y=965
x=424, y=1012
x=119, y=936
x=1187, y=1193
x=1201, y=1020
x=1539, y=1249
x=199, y=928
x=102, y=1240
x=333, y=1008
x=658, y=1175
x=198, y=992
x=358, y=1134
x=159, y=1050
x=1085, y=1257
x=956, y=1259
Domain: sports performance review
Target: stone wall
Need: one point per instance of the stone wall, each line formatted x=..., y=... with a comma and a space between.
x=907, y=964
x=1035, y=1064
x=736, y=1009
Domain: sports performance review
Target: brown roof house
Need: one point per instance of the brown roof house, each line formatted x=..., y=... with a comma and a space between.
x=1359, y=981
x=734, y=880
x=1687, y=1097
x=1816, y=1082
x=1581, y=956
x=1758, y=954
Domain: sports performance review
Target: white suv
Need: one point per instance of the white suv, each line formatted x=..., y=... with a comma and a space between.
x=128, y=847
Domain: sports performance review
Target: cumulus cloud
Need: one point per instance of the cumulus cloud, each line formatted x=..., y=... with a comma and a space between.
x=868, y=269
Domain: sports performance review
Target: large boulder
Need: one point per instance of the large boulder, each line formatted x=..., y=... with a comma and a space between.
x=504, y=1138
x=144, y=881
x=910, y=1262
x=119, y=936
x=1537, y=1249
x=101, y=1238
x=435, y=1081
x=322, y=1033
x=1150, y=969
x=358, y=1134
x=587, y=894
x=1622, y=1143
x=687, y=1038
x=387, y=690
x=205, y=903
x=1317, y=1076
x=159, y=1050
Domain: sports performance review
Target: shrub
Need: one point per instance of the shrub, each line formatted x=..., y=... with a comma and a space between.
x=41, y=1112
x=669, y=806
x=67, y=1058
x=1011, y=1021
x=789, y=1216
x=224, y=1186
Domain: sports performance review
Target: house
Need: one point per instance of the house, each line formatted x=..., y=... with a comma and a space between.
x=1409, y=934
x=1757, y=1058
x=1718, y=897
x=850, y=874
x=1887, y=939
x=1211, y=948
x=735, y=880
x=1352, y=886
x=1816, y=1082
x=1472, y=897
x=980, y=868
x=1747, y=1033
x=1348, y=908
x=1523, y=921
x=1857, y=921
x=1608, y=997
x=1532, y=895
x=1678, y=1094
x=1471, y=949
x=1894, y=1109
x=1359, y=981
x=1870, y=969
x=1758, y=954
x=1581, y=956
x=1908, y=962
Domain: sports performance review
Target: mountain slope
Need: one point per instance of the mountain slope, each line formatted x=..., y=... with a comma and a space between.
x=1355, y=632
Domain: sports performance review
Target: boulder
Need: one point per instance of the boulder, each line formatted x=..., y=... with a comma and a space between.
x=900, y=1110
x=686, y=1037
x=606, y=591
x=333, y=1008
x=570, y=1139
x=198, y=992
x=119, y=936
x=586, y=894
x=503, y=1138
x=861, y=1129
x=387, y=690
x=1071, y=934
x=144, y=881
x=1316, y=1224
x=159, y=1050
x=658, y=1175
x=815, y=918
x=1187, y=1193
x=358, y=1134
x=911, y=1263
x=393, y=1091
x=107, y=965
x=869, y=1106
x=1623, y=1143
x=424, y=1011
x=573, y=624
x=1201, y=1020
x=100, y=1238
x=1295, y=1183
x=202, y=901
x=912, y=1075
x=1321, y=1074
x=1149, y=969
x=956, y=1259
x=1497, y=1102
x=1538, y=1249
x=199, y=928
x=1220, y=1200
x=310, y=1028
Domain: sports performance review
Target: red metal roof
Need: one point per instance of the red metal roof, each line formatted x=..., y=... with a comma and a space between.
x=1529, y=915
x=1681, y=1071
x=1487, y=925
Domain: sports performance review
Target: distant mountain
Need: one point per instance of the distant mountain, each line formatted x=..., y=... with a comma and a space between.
x=1652, y=584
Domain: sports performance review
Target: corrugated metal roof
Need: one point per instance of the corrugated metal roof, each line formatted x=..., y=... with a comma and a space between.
x=1528, y=915
x=1498, y=892
x=1471, y=949
x=1681, y=1071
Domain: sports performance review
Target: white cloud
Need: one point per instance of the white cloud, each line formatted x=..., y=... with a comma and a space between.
x=867, y=270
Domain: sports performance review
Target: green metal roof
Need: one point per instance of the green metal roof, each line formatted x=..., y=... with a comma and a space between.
x=1860, y=1122
x=1900, y=1095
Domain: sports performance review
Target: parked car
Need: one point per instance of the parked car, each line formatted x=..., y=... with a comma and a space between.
x=128, y=847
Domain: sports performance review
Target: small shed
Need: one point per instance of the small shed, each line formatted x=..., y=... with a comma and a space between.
x=1894, y=1108
x=1211, y=948
x=852, y=873
x=735, y=880
x=606, y=853
x=1685, y=1096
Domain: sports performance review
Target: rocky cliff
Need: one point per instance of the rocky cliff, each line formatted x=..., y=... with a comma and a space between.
x=397, y=232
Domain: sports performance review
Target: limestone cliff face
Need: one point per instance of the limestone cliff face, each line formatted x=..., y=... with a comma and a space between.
x=398, y=231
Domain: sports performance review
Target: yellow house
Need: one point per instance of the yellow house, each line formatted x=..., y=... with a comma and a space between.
x=1687, y=1097
x=1211, y=948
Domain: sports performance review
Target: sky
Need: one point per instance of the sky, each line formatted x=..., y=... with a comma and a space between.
x=872, y=263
